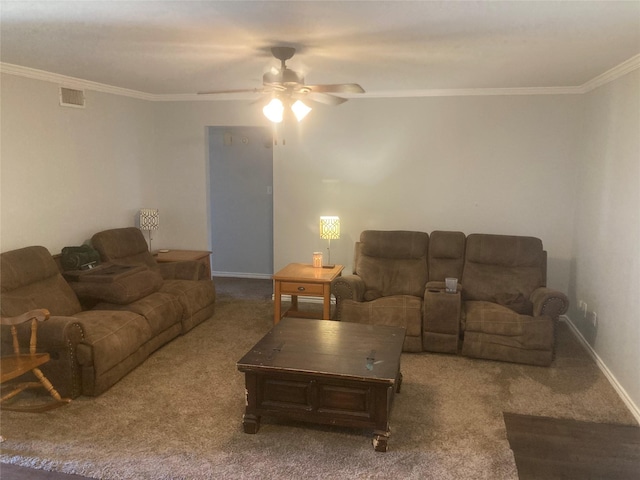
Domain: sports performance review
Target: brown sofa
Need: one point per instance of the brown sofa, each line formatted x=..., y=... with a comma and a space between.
x=90, y=350
x=502, y=310
x=185, y=280
x=134, y=311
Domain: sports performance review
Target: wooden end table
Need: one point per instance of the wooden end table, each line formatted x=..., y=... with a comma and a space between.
x=201, y=256
x=303, y=279
x=319, y=371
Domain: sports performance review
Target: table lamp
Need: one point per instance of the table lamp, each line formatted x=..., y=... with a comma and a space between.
x=149, y=220
x=329, y=230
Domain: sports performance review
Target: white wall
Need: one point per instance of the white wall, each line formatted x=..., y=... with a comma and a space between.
x=606, y=259
x=67, y=173
x=476, y=164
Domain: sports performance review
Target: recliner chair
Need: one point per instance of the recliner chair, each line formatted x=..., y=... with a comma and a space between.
x=508, y=312
x=388, y=282
x=186, y=280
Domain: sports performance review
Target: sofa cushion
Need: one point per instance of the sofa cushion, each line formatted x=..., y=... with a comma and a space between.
x=122, y=289
x=29, y=278
x=125, y=246
x=193, y=295
x=507, y=327
x=398, y=310
x=446, y=255
x=502, y=265
x=161, y=310
x=394, y=244
x=393, y=262
x=110, y=337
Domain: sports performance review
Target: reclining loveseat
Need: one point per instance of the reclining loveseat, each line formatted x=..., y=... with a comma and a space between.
x=502, y=309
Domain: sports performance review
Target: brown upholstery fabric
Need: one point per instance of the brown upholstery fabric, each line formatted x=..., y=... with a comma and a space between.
x=161, y=310
x=398, y=310
x=194, y=296
x=441, y=322
x=125, y=246
x=29, y=279
x=446, y=255
x=503, y=276
x=496, y=332
x=393, y=262
x=90, y=350
x=388, y=284
x=502, y=265
x=122, y=290
x=195, y=293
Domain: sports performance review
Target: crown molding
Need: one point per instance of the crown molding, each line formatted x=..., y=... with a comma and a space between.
x=616, y=72
x=71, y=82
x=610, y=75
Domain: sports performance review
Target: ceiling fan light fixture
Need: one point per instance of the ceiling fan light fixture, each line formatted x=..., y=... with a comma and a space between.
x=300, y=110
x=274, y=110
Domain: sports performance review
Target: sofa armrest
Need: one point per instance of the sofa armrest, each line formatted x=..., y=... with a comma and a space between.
x=184, y=270
x=547, y=301
x=348, y=287
x=59, y=337
x=441, y=318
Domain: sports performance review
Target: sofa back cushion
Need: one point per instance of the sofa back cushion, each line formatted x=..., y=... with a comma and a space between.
x=502, y=268
x=30, y=278
x=446, y=255
x=125, y=246
x=392, y=262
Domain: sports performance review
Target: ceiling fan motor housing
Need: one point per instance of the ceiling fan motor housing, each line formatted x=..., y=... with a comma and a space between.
x=285, y=77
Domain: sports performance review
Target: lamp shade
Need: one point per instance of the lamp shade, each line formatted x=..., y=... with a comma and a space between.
x=149, y=219
x=274, y=110
x=300, y=109
x=329, y=228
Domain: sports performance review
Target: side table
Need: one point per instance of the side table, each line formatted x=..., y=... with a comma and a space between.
x=201, y=256
x=303, y=279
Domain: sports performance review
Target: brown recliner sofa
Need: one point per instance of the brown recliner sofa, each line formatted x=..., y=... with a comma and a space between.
x=509, y=313
x=502, y=310
x=185, y=280
x=90, y=350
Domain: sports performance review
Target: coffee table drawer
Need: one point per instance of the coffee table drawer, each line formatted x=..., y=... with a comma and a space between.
x=300, y=288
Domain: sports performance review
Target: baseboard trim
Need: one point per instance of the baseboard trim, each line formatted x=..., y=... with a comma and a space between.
x=260, y=276
x=622, y=393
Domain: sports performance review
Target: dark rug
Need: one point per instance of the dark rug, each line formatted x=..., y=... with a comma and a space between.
x=551, y=448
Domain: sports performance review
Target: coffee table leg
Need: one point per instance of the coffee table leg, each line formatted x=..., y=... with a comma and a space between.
x=251, y=423
x=380, y=440
x=399, y=382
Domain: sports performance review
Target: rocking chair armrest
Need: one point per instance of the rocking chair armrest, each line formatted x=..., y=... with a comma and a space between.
x=40, y=314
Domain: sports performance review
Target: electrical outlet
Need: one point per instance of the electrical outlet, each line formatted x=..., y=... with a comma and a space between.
x=594, y=319
x=583, y=308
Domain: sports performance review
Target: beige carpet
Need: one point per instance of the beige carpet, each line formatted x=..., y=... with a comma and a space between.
x=178, y=416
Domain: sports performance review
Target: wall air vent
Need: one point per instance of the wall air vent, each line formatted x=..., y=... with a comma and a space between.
x=70, y=97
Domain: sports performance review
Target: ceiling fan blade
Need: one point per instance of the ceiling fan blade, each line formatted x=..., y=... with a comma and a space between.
x=337, y=88
x=325, y=98
x=238, y=90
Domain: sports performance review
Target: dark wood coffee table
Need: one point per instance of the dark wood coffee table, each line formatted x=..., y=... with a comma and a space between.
x=327, y=372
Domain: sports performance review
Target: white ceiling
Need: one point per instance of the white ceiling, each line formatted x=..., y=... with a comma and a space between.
x=181, y=47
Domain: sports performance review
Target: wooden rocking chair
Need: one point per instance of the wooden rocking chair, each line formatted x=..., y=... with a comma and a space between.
x=15, y=365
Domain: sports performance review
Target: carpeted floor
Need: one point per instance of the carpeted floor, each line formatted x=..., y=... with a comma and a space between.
x=179, y=414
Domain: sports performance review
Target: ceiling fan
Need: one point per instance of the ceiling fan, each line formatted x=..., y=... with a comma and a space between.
x=287, y=86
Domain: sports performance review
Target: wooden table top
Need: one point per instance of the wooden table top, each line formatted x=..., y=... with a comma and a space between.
x=297, y=272
x=326, y=347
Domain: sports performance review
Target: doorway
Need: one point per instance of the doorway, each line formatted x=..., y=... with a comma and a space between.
x=241, y=201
